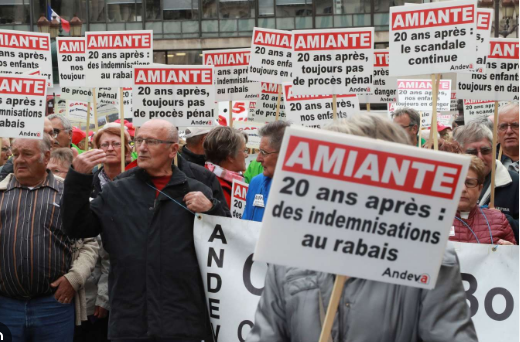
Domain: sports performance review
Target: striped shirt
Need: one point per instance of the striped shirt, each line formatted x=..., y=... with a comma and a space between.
x=34, y=250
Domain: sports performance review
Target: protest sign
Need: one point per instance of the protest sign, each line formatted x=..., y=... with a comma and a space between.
x=267, y=103
x=107, y=96
x=77, y=111
x=418, y=94
x=432, y=38
x=271, y=56
x=499, y=82
x=76, y=93
x=316, y=110
x=251, y=129
x=71, y=61
x=484, y=21
x=25, y=51
x=233, y=282
x=22, y=106
x=251, y=111
x=238, y=198
x=111, y=55
x=474, y=109
x=445, y=119
x=373, y=209
x=333, y=61
x=231, y=74
x=384, y=89
x=181, y=94
x=453, y=102
x=490, y=277
x=127, y=102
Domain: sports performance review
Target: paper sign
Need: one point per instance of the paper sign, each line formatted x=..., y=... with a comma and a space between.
x=271, y=56
x=107, y=96
x=417, y=94
x=77, y=111
x=231, y=74
x=473, y=109
x=25, y=51
x=453, y=102
x=22, y=106
x=316, y=110
x=181, y=94
x=251, y=111
x=111, y=55
x=127, y=102
x=335, y=61
x=433, y=38
x=265, y=107
x=82, y=94
x=233, y=282
x=238, y=198
x=384, y=89
x=484, y=22
x=500, y=80
x=71, y=61
x=251, y=128
x=360, y=207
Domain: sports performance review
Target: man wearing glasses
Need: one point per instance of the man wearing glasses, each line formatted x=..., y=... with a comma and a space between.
x=271, y=141
x=508, y=135
x=476, y=138
x=410, y=120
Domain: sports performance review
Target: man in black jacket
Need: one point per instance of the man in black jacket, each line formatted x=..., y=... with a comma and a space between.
x=146, y=222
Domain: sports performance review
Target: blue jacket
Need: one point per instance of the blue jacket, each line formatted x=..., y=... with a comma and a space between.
x=259, y=185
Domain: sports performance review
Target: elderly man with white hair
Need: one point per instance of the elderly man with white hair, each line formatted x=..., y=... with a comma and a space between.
x=508, y=135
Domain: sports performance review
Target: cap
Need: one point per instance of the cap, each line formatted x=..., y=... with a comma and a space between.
x=129, y=126
x=441, y=127
x=77, y=135
x=194, y=131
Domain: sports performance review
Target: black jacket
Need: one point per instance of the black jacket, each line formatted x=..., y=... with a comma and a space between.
x=7, y=169
x=198, y=159
x=155, y=286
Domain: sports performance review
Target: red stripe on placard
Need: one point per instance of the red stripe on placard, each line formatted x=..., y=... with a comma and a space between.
x=422, y=85
x=332, y=41
x=22, y=86
x=105, y=41
x=227, y=58
x=240, y=191
x=156, y=76
x=291, y=97
x=446, y=16
x=381, y=59
x=272, y=39
x=469, y=102
x=71, y=46
x=384, y=170
x=508, y=50
x=24, y=41
x=483, y=20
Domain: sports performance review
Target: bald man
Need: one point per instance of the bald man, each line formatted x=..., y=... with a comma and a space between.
x=146, y=222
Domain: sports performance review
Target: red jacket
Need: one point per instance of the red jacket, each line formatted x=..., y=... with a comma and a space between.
x=226, y=187
x=500, y=228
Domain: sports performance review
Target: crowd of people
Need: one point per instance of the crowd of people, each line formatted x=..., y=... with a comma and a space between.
x=91, y=253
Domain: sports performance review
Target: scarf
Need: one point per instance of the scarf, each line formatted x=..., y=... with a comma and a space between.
x=223, y=173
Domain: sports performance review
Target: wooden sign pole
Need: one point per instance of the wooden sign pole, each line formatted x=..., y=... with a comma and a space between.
x=122, y=119
x=230, y=113
x=493, y=156
x=368, y=107
x=335, y=297
x=435, y=92
x=334, y=108
x=95, y=110
x=88, y=126
x=278, y=102
x=419, y=132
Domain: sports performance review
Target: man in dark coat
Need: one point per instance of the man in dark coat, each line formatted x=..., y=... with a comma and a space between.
x=146, y=223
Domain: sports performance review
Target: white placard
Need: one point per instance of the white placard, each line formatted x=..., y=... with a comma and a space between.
x=25, y=51
x=433, y=38
x=384, y=89
x=71, y=61
x=111, y=55
x=333, y=61
x=127, y=102
x=265, y=107
x=490, y=279
x=231, y=74
x=271, y=56
x=251, y=128
x=453, y=102
x=418, y=94
x=500, y=80
x=181, y=94
x=77, y=111
x=360, y=207
x=484, y=22
x=82, y=94
x=238, y=198
x=251, y=111
x=474, y=109
x=22, y=106
x=316, y=110
x=107, y=96
x=232, y=281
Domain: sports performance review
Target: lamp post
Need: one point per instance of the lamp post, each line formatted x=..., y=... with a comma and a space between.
x=55, y=27
x=43, y=24
x=508, y=14
x=75, y=26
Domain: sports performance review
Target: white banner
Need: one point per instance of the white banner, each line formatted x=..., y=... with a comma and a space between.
x=384, y=89
x=360, y=207
x=22, y=106
x=71, y=61
x=265, y=107
x=333, y=61
x=232, y=281
x=490, y=279
x=433, y=38
x=417, y=94
x=25, y=51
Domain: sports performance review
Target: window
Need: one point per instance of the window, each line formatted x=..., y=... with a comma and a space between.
x=180, y=9
x=293, y=8
x=124, y=10
x=209, y=9
x=97, y=11
x=189, y=57
x=352, y=6
x=14, y=12
x=265, y=8
x=236, y=9
x=153, y=10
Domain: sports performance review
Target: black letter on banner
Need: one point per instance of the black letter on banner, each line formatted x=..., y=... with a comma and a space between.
x=219, y=282
x=213, y=256
x=215, y=335
x=473, y=301
x=212, y=307
x=218, y=233
x=240, y=327
x=488, y=304
x=247, y=277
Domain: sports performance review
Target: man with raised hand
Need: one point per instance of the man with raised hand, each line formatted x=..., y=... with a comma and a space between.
x=146, y=223
x=508, y=135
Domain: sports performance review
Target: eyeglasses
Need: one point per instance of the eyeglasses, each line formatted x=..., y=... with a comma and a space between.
x=5, y=149
x=504, y=126
x=471, y=182
x=483, y=150
x=265, y=153
x=405, y=127
x=151, y=142
x=115, y=145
